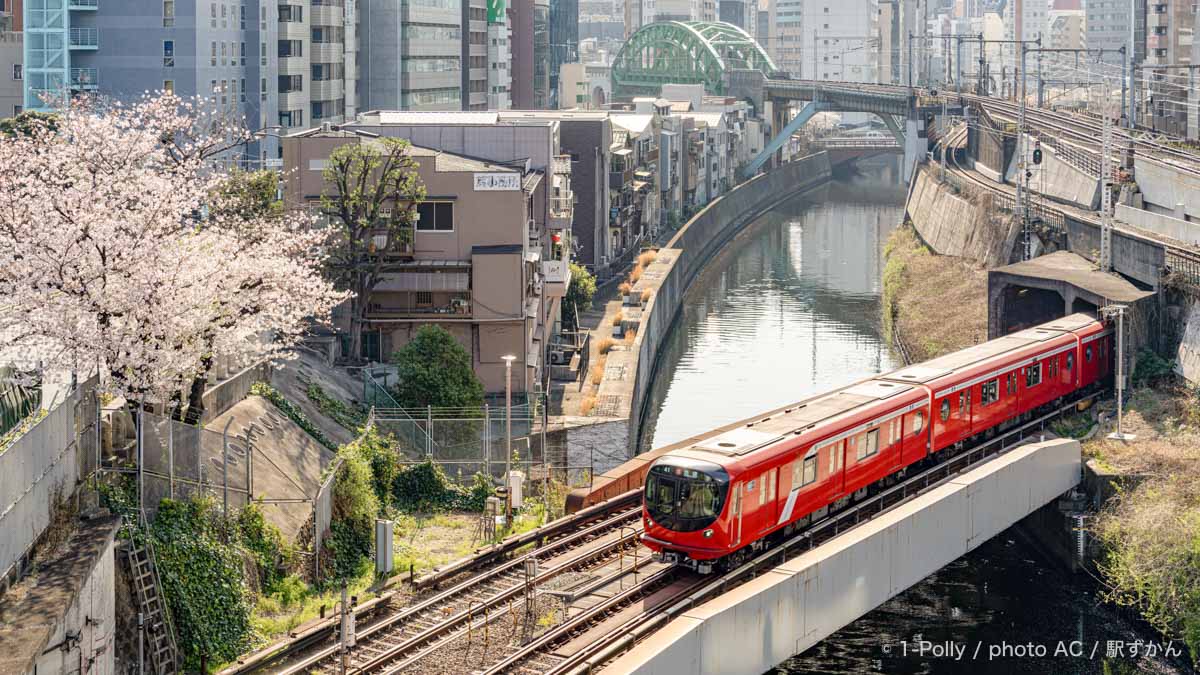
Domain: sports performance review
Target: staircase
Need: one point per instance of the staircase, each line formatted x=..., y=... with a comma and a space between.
x=162, y=655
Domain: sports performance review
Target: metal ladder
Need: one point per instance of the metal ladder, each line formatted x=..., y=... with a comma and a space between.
x=160, y=633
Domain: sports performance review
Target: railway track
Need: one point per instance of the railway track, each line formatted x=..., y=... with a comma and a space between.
x=571, y=543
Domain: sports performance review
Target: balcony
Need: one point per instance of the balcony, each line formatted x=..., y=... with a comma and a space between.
x=562, y=165
x=398, y=246
x=84, y=79
x=619, y=179
x=410, y=306
x=84, y=38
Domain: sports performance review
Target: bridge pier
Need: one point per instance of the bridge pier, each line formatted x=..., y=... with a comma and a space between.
x=916, y=144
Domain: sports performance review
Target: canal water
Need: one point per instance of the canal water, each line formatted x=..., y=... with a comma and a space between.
x=791, y=308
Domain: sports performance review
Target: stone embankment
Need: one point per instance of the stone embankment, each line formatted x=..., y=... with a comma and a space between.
x=630, y=362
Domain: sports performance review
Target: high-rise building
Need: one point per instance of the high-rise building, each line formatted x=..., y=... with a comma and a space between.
x=785, y=37
x=741, y=13
x=564, y=41
x=1169, y=39
x=499, y=51
x=530, y=48
x=638, y=13
x=843, y=36
x=685, y=10
x=290, y=65
x=413, y=55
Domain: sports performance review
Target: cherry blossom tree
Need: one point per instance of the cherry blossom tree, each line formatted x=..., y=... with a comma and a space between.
x=119, y=251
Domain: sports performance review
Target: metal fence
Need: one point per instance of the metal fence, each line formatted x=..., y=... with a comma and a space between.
x=17, y=401
x=42, y=467
x=322, y=514
x=182, y=461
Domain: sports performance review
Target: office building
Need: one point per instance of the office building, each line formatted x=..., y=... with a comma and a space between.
x=12, y=59
x=564, y=42
x=530, y=48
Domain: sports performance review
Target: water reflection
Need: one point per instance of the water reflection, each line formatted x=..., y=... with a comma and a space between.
x=788, y=309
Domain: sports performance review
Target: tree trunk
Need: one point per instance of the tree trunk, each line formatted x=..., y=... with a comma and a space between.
x=357, y=306
x=195, y=409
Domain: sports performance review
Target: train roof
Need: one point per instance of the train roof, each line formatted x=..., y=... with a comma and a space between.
x=758, y=433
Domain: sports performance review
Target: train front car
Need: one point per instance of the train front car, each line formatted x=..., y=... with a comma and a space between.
x=685, y=499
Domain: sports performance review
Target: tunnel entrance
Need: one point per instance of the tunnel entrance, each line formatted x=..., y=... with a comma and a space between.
x=1083, y=306
x=1025, y=307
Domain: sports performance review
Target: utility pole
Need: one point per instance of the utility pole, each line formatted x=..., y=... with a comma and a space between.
x=1119, y=310
x=1106, y=184
x=1022, y=196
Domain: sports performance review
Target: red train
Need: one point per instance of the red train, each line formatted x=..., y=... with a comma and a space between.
x=726, y=495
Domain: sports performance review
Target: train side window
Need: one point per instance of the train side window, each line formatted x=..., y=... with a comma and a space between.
x=1070, y=361
x=765, y=479
x=1033, y=375
x=989, y=392
x=796, y=472
x=810, y=470
x=945, y=409
x=872, y=444
x=1012, y=383
x=1087, y=354
x=918, y=422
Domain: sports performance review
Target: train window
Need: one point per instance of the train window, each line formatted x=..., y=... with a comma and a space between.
x=989, y=392
x=918, y=422
x=835, y=457
x=685, y=495
x=962, y=402
x=1012, y=383
x=945, y=409
x=1087, y=354
x=1033, y=375
x=872, y=443
x=771, y=484
x=810, y=470
x=796, y=472
x=1070, y=361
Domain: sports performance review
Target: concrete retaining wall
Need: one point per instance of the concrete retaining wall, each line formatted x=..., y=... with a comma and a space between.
x=793, y=607
x=1188, y=354
x=1165, y=188
x=1062, y=181
x=1175, y=228
x=958, y=224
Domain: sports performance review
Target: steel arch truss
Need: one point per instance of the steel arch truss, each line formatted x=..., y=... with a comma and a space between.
x=685, y=52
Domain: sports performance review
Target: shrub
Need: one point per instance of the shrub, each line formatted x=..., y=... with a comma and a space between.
x=596, y=375
x=646, y=295
x=646, y=257
x=587, y=406
x=625, y=287
x=605, y=345
x=579, y=296
x=203, y=581
x=292, y=411
x=635, y=273
x=426, y=487
x=355, y=506
x=435, y=370
x=265, y=544
x=618, y=318
x=630, y=336
x=382, y=457
x=1151, y=368
x=350, y=417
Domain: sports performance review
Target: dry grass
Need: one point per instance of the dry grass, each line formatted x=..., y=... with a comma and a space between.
x=618, y=318
x=605, y=345
x=1166, y=421
x=587, y=406
x=646, y=295
x=935, y=304
x=625, y=287
x=630, y=336
x=646, y=257
x=596, y=374
x=635, y=273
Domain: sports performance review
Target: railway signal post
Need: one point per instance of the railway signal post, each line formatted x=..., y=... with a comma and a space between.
x=1119, y=311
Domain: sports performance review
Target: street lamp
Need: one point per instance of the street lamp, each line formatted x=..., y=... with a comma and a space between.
x=508, y=361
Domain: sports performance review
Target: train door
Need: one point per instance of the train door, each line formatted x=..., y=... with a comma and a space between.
x=768, y=505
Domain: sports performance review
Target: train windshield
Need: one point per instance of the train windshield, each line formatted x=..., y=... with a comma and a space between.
x=685, y=495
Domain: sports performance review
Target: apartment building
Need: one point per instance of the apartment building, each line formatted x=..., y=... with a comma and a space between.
x=499, y=52
x=12, y=58
x=634, y=199
x=741, y=13
x=289, y=65
x=685, y=10
x=1169, y=40
x=586, y=86
x=485, y=260
x=785, y=37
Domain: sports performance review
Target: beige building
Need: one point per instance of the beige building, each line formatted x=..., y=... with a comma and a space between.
x=476, y=264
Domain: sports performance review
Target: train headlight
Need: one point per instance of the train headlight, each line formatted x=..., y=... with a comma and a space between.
x=708, y=534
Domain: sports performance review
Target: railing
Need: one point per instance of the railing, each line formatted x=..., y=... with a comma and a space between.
x=84, y=37
x=562, y=164
x=17, y=402
x=85, y=78
x=82, y=4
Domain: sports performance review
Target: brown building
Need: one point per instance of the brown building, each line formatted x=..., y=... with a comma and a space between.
x=530, y=49
x=476, y=265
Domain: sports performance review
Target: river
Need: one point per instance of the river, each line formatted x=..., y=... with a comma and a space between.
x=790, y=308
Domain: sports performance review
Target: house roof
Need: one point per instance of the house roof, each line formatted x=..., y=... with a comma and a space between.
x=633, y=122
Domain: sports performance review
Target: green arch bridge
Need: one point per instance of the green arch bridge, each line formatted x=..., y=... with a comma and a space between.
x=685, y=52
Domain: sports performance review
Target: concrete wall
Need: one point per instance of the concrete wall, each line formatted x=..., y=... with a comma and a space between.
x=959, y=225
x=1164, y=187
x=1188, y=353
x=90, y=619
x=1175, y=228
x=225, y=395
x=1059, y=180
x=1138, y=258
x=796, y=605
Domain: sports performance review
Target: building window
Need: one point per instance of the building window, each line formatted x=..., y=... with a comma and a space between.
x=243, y=53
x=169, y=86
x=242, y=10
x=291, y=83
x=243, y=90
x=435, y=216
x=213, y=56
x=224, y=54
x=17, y=74
x=291, y=118
x=264, y=54
x=327, y=34
x=290, y=48
x=168, y=53
x=168, y=13
x=212, y=21
x=291, y=13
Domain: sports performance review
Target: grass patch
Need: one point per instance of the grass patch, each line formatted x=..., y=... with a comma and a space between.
x=646, y=257
x=605, y=345
x=933, y=304
x=618, y=318
x=350, y=417
x=587, y=405
x=292, y=411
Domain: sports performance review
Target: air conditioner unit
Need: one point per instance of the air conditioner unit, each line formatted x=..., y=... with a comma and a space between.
x=558, y=357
